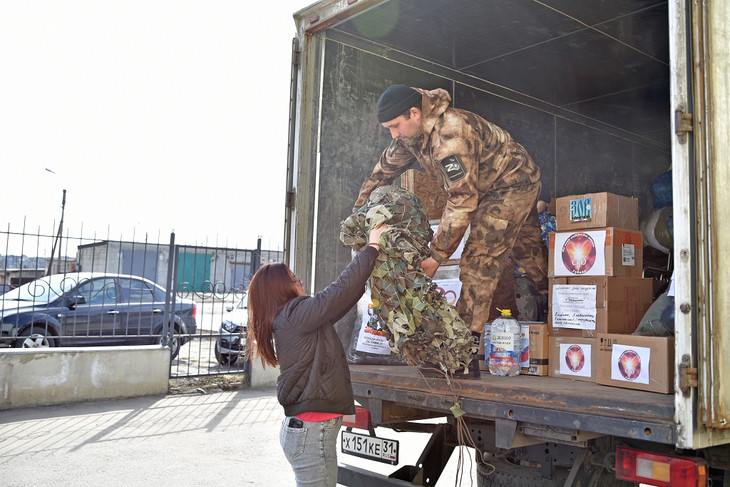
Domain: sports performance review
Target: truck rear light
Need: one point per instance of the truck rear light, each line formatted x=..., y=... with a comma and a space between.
x=660, y=470
x=359, y=420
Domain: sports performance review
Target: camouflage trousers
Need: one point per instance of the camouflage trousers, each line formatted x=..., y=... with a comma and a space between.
x=505, y=223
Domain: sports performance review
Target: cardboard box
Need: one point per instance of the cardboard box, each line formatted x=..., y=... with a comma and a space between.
x=572, y=358
x=535, y=351
x=636, y=362
x=587, y=306
x=599, y=252
x=596, y=210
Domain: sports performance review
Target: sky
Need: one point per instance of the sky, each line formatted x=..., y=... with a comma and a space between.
x=155, y=116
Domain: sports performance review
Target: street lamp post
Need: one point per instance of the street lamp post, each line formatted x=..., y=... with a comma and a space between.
x=58, y=236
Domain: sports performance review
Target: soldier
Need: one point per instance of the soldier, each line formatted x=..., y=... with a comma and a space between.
x=491, y=182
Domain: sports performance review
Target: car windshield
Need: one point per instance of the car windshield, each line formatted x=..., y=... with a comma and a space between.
x=243, y=303
x=43, y=290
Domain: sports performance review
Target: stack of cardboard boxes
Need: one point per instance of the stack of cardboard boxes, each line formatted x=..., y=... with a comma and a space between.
x=597, y=297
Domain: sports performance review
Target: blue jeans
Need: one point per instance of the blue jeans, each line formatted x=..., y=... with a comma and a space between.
x=312, y=451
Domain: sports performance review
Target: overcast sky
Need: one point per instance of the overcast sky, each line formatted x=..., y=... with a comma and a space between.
x=154, y=115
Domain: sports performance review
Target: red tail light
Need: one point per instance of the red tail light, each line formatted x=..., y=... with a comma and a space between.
x=660, y=470
x=359, y=420
x=195, y=310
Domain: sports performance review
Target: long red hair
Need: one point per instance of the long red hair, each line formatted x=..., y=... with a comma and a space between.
x=271, y=287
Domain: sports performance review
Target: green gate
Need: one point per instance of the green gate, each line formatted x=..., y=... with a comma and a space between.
x=193, y=269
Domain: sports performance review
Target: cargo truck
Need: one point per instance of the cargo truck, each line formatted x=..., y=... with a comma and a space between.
x=606, y=96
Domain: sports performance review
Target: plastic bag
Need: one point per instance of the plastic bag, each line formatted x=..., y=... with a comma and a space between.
x=658, y=321
x=368, y=343
x=661, y=188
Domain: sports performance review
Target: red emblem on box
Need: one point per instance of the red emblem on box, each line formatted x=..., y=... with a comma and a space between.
x=629, y=364
x=579, y=253
x=575, y=358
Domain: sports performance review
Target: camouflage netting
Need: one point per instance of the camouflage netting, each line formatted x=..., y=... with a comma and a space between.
x=421, y=326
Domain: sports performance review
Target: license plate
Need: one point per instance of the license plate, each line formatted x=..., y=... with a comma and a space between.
x=370, y=447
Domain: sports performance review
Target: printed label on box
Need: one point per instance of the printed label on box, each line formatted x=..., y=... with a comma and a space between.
x=581, y=210
x=525, y=351
x=575, y=359
x=580, y=253
x=630, y=364
x=628, y=255
x=574, y=306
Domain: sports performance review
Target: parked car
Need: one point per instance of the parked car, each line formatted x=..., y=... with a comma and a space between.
x=232, y=341
x=86, y=309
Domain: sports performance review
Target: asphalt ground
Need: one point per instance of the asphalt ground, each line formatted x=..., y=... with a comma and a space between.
x=222, y=438
x=189, y=439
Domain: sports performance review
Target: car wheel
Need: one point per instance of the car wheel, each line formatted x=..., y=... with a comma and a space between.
x=35, y=337
x=175, y=343
x=225, y=358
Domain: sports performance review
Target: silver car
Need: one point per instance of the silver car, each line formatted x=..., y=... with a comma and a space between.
x=233, y=334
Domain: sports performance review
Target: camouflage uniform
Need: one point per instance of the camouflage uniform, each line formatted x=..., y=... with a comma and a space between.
x=491, y=182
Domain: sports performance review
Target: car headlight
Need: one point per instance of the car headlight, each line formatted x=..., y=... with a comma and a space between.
x=230, y=327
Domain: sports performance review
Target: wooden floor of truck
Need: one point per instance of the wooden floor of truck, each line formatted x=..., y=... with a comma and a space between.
x=549, y=401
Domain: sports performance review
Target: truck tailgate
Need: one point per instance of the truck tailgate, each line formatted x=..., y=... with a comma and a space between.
x=399, y=393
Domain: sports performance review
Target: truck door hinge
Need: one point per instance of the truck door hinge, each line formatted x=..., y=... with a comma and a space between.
x=687, y=376
x=296, y=53
x=291, y=198
x=683, y=123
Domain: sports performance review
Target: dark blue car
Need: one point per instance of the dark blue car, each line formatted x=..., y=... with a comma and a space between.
x=90, y=309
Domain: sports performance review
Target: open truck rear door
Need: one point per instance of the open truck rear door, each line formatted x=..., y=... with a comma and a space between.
x=700, y=104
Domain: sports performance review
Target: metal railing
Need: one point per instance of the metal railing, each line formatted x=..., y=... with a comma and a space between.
x=105, y=292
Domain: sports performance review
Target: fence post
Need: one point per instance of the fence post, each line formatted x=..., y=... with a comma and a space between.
x=256, y=258
x=169, y=293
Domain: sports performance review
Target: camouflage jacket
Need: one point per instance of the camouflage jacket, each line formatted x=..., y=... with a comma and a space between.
x=468, y=155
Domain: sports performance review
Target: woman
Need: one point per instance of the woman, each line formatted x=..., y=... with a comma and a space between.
x=295, y=331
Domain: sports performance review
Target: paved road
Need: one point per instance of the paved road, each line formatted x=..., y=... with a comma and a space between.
x=218, y=439
x=224, y=438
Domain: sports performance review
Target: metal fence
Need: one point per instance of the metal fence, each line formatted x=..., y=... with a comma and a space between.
x=78, y=291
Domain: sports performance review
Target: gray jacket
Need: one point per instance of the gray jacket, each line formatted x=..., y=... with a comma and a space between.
x=314, y=375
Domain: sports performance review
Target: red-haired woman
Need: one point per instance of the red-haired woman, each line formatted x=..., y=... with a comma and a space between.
x=295, y=331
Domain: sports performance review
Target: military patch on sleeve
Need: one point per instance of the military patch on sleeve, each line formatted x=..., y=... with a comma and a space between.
x=453, y=167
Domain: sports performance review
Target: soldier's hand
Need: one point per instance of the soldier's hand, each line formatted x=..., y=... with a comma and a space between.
x=430, y=266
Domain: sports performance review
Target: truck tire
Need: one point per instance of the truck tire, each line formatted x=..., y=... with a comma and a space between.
x=507, y=474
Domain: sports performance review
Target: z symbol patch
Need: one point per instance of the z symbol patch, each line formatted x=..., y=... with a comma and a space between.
x=453, y=167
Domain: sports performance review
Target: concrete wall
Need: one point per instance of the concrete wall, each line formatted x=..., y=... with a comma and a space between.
x=65, y=374
x=263, y=377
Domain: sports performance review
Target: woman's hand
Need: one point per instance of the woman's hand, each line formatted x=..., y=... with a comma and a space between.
x=375, y=232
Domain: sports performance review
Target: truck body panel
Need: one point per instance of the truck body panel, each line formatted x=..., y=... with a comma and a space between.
x=605, y=96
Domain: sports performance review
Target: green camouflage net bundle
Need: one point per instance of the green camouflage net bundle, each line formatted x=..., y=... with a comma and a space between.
x=421, y=326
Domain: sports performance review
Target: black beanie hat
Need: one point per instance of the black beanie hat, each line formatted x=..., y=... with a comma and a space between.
x=396, y=100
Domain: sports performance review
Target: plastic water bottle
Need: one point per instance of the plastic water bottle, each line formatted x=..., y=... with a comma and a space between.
x=505, y=345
